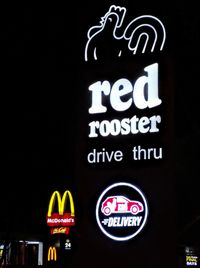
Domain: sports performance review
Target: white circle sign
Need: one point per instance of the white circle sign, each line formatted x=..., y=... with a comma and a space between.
x=121, y=211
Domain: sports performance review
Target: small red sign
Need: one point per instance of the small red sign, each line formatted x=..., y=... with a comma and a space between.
x=56, y=220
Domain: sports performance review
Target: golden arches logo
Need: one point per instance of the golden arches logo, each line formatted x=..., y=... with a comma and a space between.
x=62, y=201
x=61, y=218
x=52, y=254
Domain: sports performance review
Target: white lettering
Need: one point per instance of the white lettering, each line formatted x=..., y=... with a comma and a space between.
x=120, y=88
x=103, y=156
x=123, y=221
x=149, y=85
x=125, y=126
x=97, y=89
x=146, y=153
x=144, y=93
x=57, y=220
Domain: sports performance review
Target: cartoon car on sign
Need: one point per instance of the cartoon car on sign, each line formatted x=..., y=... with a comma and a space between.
x=120, y=204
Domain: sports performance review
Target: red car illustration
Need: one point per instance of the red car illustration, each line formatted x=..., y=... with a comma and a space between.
x=120, y=204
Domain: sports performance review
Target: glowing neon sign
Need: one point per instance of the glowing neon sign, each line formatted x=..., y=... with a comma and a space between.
x=145, y=27
x=52, y=254
x=191, y=260
x=121, y=211
x=61, y=218
x=144, y=94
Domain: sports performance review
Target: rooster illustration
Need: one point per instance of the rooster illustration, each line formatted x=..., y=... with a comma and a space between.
x=144, y=33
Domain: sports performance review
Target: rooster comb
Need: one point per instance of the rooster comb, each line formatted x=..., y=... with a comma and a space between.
x=117, y=9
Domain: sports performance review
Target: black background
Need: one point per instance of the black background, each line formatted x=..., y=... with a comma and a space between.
x=40, y=63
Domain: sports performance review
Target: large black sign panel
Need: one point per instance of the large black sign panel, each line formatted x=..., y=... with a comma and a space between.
x=124, y=148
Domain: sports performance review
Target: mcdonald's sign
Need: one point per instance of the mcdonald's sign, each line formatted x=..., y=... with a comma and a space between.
x=61, y=218
x=52, y=254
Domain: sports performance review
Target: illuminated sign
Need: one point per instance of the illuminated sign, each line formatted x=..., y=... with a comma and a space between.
x=68, y=244
x=129, y=104
x=144, y=94
x=60, y=230
x=143, y=34
x=52, y=254
x=122, y=95
x=121, y=211
x=191, y=260
x=61, y=218
x=1, y=250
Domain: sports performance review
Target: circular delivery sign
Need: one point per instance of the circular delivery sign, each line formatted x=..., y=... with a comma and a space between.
x=121, y=211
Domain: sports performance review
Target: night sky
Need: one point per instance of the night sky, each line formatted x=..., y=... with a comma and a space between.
x=40, y=63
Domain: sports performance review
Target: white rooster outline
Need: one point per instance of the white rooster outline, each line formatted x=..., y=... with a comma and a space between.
x=129, y=31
